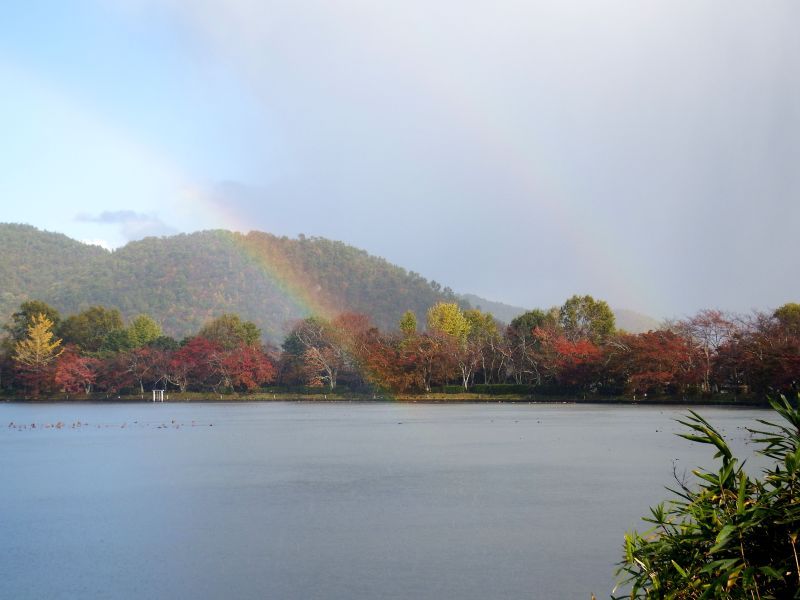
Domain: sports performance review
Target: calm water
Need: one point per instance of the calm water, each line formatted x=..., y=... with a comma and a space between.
x=341, y=501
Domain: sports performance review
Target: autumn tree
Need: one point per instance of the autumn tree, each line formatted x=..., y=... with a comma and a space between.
x=572, y=364
x=243, y=368
x=522, y=344
x=524, y=324
x=481, y=343
x=35, y=353
x=707, y=331
x=75, y=374
x=432, y=355
x=193, y=363
x=762, y=355
x=651, y=362
x=320, y=350
x=448, y=323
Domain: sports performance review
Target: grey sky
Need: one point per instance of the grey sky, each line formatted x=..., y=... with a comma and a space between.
x=644, y=152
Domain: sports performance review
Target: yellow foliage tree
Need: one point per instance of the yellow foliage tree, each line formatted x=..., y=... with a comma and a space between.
x=38, y=349
x=447, y=318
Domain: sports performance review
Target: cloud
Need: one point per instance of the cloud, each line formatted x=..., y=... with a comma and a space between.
x=524, y=151
x=105, y=245
x=132, y=225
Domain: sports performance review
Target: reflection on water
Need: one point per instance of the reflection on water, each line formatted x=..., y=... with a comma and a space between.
x=335, y=501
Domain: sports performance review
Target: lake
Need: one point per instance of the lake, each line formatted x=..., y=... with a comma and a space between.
x=332, y=500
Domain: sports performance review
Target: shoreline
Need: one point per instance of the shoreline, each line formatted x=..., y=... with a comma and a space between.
x=192, y=397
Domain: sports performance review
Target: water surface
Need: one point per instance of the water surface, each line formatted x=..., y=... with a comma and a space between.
x=335, y=501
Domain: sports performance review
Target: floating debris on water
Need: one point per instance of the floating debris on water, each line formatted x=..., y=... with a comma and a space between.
x=78, y=425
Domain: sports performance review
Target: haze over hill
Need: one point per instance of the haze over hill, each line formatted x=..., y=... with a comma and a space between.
x=187, y=279
x=627, y=320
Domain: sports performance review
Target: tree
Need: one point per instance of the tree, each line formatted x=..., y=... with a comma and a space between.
x=323, y=356
x=524, y=324
x=245, y=368
x=75, y=373
x=447, y=318
x=143, y=330
x=789, y=317
x=708, y=330
x=229, y=331
x=145, y=364
x=480, y=344
x=448, y=323
x=34, y=354
x=433, y=357
x=89, y=329
x=576, y=363
x=584, y=317
x=730, y=536
x=118, y=340
x=408, y=323
x=650, y=362
x=193, y=363
x=522, y=349
x=20, y=320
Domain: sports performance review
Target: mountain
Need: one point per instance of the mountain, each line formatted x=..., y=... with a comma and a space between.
x=185, y=280
x=634, y=322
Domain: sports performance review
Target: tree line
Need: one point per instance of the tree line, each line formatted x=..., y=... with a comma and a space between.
x=571, y=349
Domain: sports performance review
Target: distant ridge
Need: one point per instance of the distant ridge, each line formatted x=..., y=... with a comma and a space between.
x=500, y=311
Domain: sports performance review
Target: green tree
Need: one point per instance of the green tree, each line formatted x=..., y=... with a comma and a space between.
x=89, y=329
x=20, y=320
x=143, y=330
x=408, y=323
x=229, y=331
x=788, y=316
x=118, y=340
x=731, y=536
x=583, y=317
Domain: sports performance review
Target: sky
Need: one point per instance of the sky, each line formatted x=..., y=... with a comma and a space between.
x=647, y=153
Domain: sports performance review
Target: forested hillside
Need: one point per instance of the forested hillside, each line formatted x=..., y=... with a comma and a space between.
x=185, y=280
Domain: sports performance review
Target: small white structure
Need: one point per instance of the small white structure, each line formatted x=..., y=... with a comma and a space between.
x=158, y=395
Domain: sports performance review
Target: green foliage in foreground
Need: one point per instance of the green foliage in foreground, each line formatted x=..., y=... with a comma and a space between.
x=732, y=536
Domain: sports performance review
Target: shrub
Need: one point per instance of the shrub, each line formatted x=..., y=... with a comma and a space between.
x=730, y=536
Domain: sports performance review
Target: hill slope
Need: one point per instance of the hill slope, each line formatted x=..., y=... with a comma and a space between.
x=186, y=279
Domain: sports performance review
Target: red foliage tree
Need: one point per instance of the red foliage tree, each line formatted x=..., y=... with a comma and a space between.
x=75, y=373
x=245, y=368
x=577, y=362
x=193, y=363
x=652, y=362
